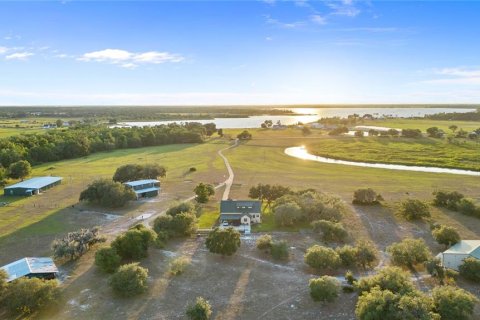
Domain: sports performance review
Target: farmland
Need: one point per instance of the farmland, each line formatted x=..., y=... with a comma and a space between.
x=244, y=284
x=423, y=152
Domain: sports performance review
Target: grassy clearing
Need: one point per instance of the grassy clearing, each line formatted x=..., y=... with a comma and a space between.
x=423, y=152
x=422, y=124
x=28, y=224
x=208, y=219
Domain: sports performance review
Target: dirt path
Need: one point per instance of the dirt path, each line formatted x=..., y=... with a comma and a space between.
x=123, y=224
x=228, y=183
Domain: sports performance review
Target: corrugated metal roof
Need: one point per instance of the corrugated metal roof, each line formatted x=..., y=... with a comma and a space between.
x=240, y=206
x=26, y=266
x=140, y=182
x=35, y=183
x=465, y=247
x=146, y=190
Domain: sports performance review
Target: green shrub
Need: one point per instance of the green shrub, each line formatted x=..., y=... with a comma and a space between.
x=181, y=208
x=201, y=310
x=331, y=231
x=413, y=209
x=447, y=199
x=287, y=214
x=223, y=241
x=264, y=242
x=366, y=254
x=181, y=224
x=467, y=207
x=27, y=295
x=279, y=250
x=390, y=278
x=178, y=265
x=366, y=197
x=350, y=278
x=453, y=303
x=319, y=257
x=409, y=252
x=384, y=304
x=445, y=235
x=325, y=288
x=470, y=269
x=107, y=259
x=129, y=280
x=134, y=243
x=107, y=193
x=348, y=255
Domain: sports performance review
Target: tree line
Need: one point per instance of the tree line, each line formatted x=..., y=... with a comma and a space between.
x=81, y=141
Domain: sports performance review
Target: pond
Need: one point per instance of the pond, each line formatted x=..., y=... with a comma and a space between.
x=302, y=153
x=305, y=115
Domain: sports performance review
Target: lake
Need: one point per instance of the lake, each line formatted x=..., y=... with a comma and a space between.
x=306, y=115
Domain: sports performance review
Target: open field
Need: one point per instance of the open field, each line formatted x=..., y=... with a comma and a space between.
x=10, y=127
x=243, y=286
x=51, y=213
x=422, y=124
x=397, y=150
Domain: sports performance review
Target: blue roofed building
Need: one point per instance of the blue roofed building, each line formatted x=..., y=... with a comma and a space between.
x=240, y=212
x=43, y=268
x=144, y=188
x=32, y=186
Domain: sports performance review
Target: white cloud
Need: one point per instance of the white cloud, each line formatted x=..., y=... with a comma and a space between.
x=318, y=19
x=286, y=25
x=459, y=72
x=130, y=60
x=112, y=55
x=456, y=76
x=343, y=8
x=270, y=2
x=19, y=56
x=3, y=50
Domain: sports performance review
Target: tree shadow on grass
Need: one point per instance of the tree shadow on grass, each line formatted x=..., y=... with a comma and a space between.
x=380, y=223
x=35, y=239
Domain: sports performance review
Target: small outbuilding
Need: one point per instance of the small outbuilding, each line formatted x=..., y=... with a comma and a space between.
x=240, y=212
x=454, y=256
x=144, y=188
x=32, y=186
x=43, y=268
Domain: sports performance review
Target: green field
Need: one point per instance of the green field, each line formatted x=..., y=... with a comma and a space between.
x=396, y=150
x=41, y=218
x=422, y=124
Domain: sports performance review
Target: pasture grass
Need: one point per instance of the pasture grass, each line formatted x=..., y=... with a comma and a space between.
x=462, y=154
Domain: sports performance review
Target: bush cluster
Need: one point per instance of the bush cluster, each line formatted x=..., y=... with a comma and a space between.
x=456, y=201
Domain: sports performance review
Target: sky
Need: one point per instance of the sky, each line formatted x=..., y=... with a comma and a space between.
x=239, y=52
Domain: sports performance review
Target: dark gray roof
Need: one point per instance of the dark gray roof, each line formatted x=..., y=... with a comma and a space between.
x=240, y=206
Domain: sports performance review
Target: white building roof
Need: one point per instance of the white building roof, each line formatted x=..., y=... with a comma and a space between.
x=26, y=266
x=471, y=247
x=140, y=182
x=35, y=183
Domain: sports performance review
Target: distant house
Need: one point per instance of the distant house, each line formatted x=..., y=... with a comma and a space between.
x=144, y=188
x=454, y=256
x=32, y=186
x=240, y=212
x=317, y=125
x=43, y=268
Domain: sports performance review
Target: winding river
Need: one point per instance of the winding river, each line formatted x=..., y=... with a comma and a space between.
x=302, y=153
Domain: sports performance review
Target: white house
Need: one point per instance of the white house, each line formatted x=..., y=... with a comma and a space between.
x=454, y=256
x=241, y=212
